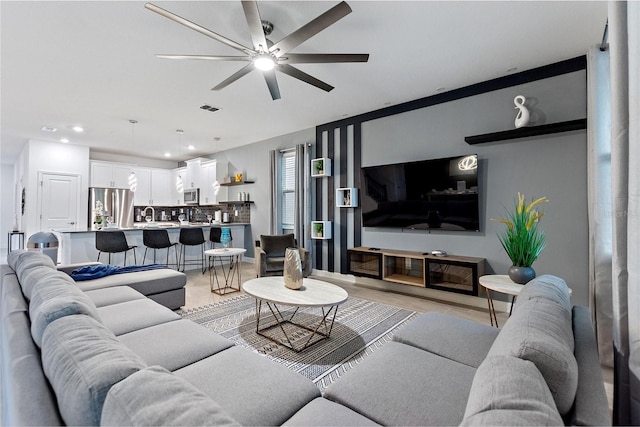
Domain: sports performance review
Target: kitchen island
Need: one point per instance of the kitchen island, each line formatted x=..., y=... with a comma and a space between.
x=80, y=245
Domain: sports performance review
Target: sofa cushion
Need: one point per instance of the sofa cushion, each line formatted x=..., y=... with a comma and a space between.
x=154, y=397
x=253, y=390
x=22, y=261
x=385, y=387
x=548, y=287
x=146, y=282
x=541, y=331
x=275, y=246
x=32, y=277
x=54, y=298
x=82, y=360
x=133, y=315
x=158, y=345
x=510, y=391
x=115, y=295
x=448, y=336
x=323, y=412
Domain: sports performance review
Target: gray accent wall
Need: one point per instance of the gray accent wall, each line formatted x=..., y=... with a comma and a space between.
x=551, y=165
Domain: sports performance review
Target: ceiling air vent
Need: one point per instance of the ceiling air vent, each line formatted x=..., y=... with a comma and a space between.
x=209, y=108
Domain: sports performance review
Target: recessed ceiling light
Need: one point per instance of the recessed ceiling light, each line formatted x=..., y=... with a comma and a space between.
x=64, y=140
x=48, y=129
x=191, y=147
x=216, y=138
x=77, y=129
x=167, y=154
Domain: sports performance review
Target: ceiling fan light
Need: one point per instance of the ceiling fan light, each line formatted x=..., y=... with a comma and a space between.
x=264, y=63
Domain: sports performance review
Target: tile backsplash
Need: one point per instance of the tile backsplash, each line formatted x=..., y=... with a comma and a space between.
x=198, y=213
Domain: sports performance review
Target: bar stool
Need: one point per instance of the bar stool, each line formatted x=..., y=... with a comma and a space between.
x=215, y=235
x=158, y=239
x=113, y=241
x=192, y=236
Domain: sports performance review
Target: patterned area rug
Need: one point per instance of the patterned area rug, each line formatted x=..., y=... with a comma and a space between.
x=361, y=327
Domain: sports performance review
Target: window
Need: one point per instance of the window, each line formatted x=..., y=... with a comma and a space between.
x=288, y=190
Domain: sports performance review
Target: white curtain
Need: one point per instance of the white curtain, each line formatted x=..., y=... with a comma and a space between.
x=274, y=199
x=599, y=176
x=302, y=213
x=624, y=22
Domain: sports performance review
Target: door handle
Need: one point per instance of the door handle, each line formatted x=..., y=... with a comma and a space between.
x=72, y=223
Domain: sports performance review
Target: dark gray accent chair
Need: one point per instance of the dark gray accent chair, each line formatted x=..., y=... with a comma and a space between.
x=269, y=255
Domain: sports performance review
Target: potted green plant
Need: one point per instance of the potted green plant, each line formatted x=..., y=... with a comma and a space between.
x=522, y=239
x=318, y=167
x=318, y=229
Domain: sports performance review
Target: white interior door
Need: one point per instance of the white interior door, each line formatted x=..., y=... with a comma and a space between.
x=59, y=201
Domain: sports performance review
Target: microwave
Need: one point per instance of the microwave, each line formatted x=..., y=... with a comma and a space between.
x=192, y=196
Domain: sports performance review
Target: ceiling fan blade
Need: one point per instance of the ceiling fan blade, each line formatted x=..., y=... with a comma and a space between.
x=310, y=29
x=301, y=75
x=206, y=57
x=198, y=28
x=272, y=83
x=311, y=58
x=235, y=76
x=252, y=14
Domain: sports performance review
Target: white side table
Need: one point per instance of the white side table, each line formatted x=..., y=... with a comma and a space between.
x=499, y=283
x=234, y=256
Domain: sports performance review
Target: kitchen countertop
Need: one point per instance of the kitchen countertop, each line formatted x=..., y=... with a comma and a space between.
x=163, y=225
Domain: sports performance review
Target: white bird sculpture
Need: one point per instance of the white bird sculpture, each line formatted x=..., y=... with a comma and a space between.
x=523, y=114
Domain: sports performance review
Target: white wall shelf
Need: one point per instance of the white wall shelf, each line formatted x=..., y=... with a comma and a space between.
x=320, y=167
x=321, y=230
x=347, y=197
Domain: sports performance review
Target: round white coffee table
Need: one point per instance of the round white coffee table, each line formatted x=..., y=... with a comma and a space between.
x=234, y=267
x=272, y=292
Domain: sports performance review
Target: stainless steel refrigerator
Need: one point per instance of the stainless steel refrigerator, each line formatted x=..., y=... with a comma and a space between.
x=113, y=204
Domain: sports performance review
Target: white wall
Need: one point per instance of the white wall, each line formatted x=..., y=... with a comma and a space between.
x=41, y=156
x=7, y=207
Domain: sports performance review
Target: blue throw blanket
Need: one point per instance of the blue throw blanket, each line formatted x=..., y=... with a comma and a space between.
x=89, y=272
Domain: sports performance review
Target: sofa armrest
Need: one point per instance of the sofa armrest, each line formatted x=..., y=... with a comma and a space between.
x=68, y=268
x=260, y=260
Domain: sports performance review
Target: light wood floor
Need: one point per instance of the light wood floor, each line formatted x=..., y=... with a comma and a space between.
x=199, y=293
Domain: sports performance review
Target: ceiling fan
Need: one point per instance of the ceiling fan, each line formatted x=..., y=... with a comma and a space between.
x=267, y=56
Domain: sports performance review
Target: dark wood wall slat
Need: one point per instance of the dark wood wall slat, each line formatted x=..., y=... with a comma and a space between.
x=343, y=183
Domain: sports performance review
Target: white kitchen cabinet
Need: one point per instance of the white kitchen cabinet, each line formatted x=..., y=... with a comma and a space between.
x=177, y=175
x=194, y=177
x=161, y=194
x=109, y=175
x=142, y=195
x=207, y=190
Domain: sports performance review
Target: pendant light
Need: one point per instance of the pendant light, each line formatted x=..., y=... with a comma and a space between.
x=133, y=179
x=179, y=182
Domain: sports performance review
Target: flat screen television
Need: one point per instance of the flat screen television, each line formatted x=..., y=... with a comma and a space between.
x=436, y=194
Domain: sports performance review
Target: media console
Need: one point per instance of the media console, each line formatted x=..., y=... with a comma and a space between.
x=449, y=273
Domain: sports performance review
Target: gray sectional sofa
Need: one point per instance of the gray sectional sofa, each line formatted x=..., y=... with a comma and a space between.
x=112, y=356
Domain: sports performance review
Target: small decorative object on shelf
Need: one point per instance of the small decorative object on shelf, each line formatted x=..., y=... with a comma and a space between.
x=238, y=177
x=321, y=230
x=321, y=167
x=346, y=197
x=522, y=119
x=523, y=240
x=292, y=269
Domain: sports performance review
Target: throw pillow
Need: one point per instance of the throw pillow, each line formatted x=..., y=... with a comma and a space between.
x=154, y=397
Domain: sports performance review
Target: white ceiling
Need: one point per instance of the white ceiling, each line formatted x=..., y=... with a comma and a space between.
x=92, y=63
